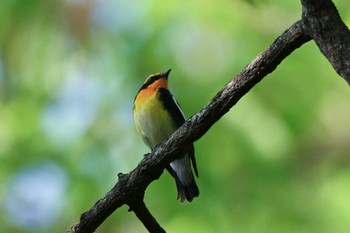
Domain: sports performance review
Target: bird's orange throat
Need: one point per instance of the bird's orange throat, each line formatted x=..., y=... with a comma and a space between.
x=152, y=89
x=160, y=83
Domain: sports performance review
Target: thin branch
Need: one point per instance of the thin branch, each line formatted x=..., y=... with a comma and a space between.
x=133, y=185
x=323, y=23
x=143, y=214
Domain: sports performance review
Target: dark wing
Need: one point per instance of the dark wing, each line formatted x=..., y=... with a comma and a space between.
x=170, y=103
x=174, y=108
x=193, y=159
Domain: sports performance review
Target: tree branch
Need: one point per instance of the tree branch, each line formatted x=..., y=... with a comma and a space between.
x=131, y=187
x=142, y=213
x=320, y=21
x=323, y=23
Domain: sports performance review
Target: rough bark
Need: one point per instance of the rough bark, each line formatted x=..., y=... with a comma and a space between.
x=324, y=25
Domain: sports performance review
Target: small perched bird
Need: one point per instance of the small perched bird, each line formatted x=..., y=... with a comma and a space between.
x=157, y=115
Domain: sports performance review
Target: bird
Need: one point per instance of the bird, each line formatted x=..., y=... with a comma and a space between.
x=156, y=116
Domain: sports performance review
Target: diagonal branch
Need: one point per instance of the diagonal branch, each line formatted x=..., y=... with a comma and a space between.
x=131, y=187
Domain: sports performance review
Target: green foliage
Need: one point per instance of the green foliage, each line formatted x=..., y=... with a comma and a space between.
x=69, y=70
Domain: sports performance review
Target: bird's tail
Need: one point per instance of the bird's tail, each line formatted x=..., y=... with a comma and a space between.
x=188, y=191
x=181, y=170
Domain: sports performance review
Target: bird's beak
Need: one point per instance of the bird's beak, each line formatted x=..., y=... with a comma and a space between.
x=166, y=74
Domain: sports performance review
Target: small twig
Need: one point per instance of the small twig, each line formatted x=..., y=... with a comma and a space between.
x=143, y=214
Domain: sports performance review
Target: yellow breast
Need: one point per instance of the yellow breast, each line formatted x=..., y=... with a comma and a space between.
x=152, y=120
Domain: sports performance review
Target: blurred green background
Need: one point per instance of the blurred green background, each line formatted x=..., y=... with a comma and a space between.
x=279, y=161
